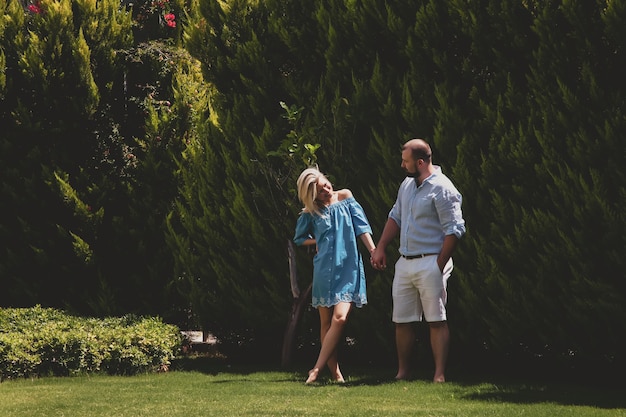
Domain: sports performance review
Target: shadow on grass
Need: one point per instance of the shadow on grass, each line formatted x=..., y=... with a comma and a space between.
x=544, y=381
x=214, y=365
x=558, y=393
x=470, y=387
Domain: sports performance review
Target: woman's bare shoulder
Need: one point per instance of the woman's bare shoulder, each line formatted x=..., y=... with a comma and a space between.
x=343, y=194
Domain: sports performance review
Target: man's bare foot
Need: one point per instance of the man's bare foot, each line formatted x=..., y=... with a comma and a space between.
x=403, y=376
x=312, y=375
x=439, y=379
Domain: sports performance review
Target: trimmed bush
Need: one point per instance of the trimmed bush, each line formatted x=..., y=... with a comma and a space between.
x=44, y=341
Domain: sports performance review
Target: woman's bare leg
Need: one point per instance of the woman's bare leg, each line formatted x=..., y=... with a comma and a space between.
x=332, y=324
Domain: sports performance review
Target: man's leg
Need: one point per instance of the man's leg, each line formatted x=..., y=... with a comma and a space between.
x=440, y=343
x=405, y=339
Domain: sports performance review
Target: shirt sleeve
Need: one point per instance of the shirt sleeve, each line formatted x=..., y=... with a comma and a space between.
x=359, y=219
x=304, y=228
x=396, y=213
x=450, y=214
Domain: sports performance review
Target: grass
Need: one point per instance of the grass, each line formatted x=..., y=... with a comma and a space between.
x=207, y=387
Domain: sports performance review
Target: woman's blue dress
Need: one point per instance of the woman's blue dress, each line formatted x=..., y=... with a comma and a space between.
x=338, y=273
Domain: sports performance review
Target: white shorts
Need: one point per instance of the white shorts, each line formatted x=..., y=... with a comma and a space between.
x=420, y=289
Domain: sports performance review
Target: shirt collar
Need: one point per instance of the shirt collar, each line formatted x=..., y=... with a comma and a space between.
x=428, y=178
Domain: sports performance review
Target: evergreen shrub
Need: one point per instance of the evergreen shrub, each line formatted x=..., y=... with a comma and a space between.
x=49, y=342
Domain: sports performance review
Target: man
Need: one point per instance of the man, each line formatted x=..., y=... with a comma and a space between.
x=427, y=215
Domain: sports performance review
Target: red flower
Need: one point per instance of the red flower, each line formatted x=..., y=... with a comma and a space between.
x=34, y=8
x=170, y=20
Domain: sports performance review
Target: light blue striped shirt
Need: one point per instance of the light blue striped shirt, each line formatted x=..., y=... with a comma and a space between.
x=426, y=214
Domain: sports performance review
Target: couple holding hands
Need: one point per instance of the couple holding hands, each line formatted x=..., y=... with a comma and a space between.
x=426, y=215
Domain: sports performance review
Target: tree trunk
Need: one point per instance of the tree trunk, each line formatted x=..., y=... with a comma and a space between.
x=299, y=302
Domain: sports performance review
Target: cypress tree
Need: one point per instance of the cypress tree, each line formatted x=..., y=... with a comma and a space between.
x=292, y=52
x=577, y=212
x=48, y=59
x=88, y=162
x=228, y=217
x=545, y=239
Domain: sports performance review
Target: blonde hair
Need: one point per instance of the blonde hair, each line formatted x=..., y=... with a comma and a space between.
x=307, y=189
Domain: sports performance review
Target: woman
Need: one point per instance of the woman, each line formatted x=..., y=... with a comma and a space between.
x=332, y=220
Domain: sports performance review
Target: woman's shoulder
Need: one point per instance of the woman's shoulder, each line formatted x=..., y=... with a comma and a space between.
x=344, y=194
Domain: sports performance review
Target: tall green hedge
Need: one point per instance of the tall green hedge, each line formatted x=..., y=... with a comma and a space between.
x=522, y=104
x=140, y=176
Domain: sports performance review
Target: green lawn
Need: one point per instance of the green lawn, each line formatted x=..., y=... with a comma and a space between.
x=215, y=389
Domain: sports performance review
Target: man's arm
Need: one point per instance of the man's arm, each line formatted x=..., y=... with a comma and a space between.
x=449, y=243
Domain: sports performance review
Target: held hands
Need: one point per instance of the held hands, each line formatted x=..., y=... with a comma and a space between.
x=378, y=259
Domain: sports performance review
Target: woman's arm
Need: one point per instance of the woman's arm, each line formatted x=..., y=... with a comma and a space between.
x=367, y=240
